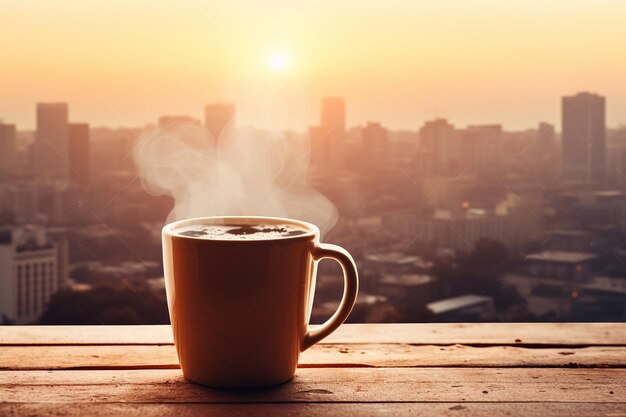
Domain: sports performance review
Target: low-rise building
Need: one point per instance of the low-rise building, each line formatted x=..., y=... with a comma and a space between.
x=551, y=282
x=464, y=307
x=572, y=241
x=570, y=266
x=405, y=289
x=394, y=263
x=544, y=298
x=603, y=298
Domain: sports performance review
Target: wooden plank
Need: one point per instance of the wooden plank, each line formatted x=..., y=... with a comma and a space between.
x=522, y=334
x=79, y=335
x=354, y=355
x=322, y=410
x=325, y=385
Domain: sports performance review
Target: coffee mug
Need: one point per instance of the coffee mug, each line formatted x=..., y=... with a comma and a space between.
x=240, y=301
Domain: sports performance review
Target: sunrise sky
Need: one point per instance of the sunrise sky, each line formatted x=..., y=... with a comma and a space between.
x=124, y=63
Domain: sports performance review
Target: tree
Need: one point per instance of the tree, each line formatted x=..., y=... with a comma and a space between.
x=127, y=303
x=478, y=272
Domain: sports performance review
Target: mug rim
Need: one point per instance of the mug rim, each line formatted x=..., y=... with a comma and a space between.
x=312, y=230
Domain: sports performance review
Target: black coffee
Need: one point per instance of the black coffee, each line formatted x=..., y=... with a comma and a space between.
x=241, y=231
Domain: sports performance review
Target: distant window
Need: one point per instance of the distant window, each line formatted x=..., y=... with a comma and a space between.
x=35, y=291
x=44, y=291
x=27, y=293
x=20, y=292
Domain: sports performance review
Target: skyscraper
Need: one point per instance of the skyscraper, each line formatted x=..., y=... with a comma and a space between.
x=7, y=148
x=374, y=141
x=328, y=139
x=436, y=146
x=52, y=140
x=78, y=153
x=20, y=201
x=219, y=119
x=583, y=142
x=479, y=149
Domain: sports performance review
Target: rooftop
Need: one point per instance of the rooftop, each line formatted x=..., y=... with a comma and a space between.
x=457, y=303
x=615, y=285
x=572, y=233
x=408, y=280
x=395, y=258
x=469, y=214
x=561, y=256
x=609, y=193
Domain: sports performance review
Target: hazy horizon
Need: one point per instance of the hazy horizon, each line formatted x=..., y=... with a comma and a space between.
x=300, y=129
x=125, y=64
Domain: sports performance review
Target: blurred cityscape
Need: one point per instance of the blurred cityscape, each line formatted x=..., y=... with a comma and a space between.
x=446, y=223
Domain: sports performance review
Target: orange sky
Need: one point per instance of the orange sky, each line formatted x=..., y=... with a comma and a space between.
x=124, y=62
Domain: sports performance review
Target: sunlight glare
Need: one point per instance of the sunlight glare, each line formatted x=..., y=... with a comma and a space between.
x=278, y=61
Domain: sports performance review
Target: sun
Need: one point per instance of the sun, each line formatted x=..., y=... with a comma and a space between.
x=278, y=61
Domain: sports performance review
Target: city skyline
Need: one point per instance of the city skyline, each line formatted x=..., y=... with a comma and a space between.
x=200, y=114
x=77, y=206
x=397, y=65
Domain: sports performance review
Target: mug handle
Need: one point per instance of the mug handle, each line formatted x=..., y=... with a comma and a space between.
x=350, y=290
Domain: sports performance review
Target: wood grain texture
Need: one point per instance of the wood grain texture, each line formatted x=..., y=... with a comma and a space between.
x=366, y=370
x=322, y=355
x=454, y=409
x=321, y=385
x=519, y=334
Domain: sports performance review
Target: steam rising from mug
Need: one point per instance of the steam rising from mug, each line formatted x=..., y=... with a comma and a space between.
x=239, y=174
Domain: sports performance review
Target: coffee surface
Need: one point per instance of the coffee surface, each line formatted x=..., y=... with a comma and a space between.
x=241, y=231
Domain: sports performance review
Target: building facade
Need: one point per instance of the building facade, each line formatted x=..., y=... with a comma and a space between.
x=79, y=153
x=437, y=144
x=51, y=140
x=7, y=148
x=328, y=140
x=583, y=138
x=28, y=273
x=374, y=143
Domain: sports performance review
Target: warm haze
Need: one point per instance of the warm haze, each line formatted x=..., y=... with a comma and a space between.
x=401, y=62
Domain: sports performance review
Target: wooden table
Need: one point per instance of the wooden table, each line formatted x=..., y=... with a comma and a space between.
x=362, y=369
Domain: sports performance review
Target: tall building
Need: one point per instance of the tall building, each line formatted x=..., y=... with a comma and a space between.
x=375, y=139
x=59, y=237
x=219, y=119
x=583, y=137
x=78, y=153
x=7, y=148
x=479, y=149
x=328, y=139
x=51, y=140
x=28, y=269
x=20, y=202
x=436, y=146
x=542, y=156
